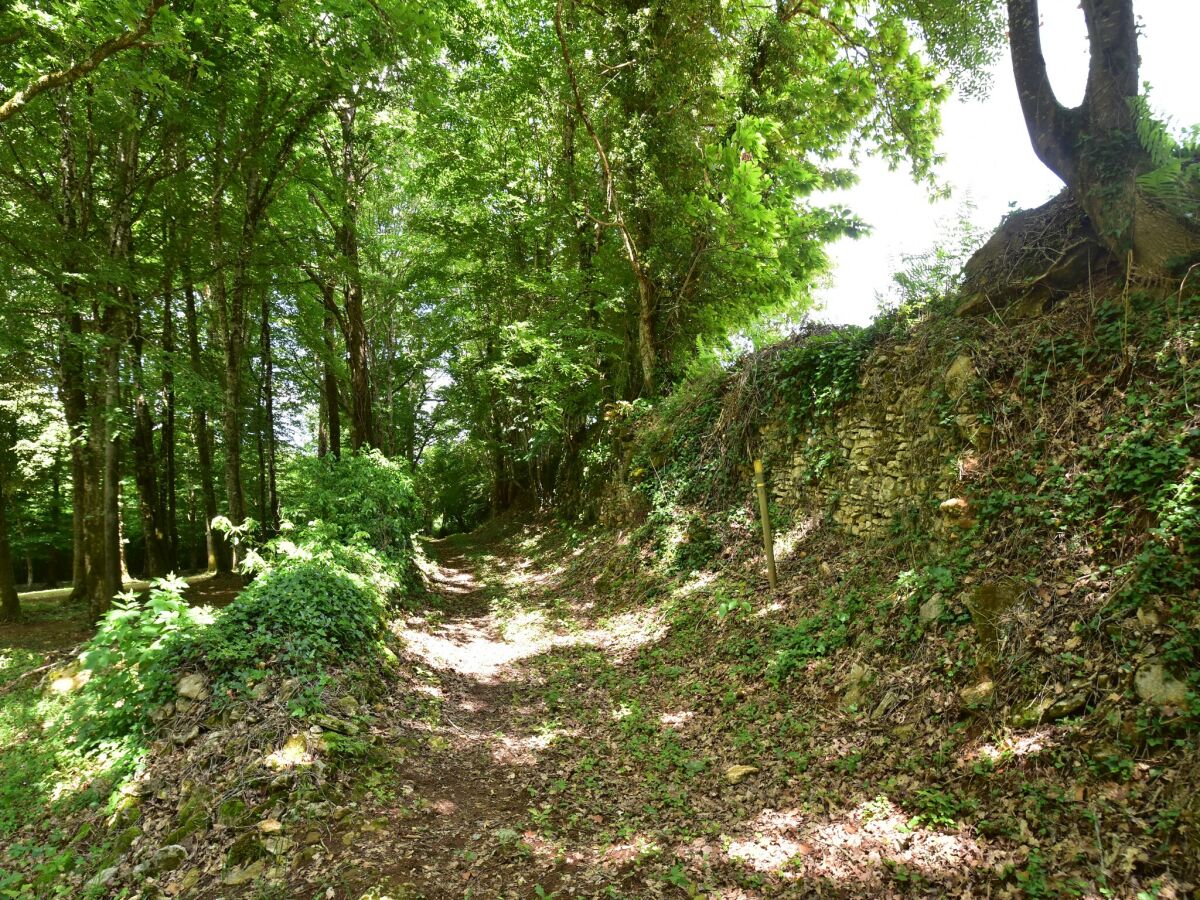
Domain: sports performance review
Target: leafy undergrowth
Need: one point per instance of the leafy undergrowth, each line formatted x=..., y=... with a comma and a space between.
x=1009, y=710
x=166, y=755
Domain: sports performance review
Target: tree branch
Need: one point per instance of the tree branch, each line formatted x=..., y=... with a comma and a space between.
x=124, y=41
x=1113, y=63
x=1051, y=125
x=610, y=185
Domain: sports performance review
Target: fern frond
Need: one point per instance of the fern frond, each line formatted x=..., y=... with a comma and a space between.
x=1154, y=133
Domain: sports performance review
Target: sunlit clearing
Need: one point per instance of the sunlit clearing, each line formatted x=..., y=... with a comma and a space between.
x=628, y=853
x=1010, y=747
x=512, y=751
x=676, y=719
x=65, y=681
x=524, y=575
x=459, y=647
x=787, y=543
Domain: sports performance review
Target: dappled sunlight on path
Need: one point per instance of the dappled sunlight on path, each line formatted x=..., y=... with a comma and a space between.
x=471, y=640
x=543, y=747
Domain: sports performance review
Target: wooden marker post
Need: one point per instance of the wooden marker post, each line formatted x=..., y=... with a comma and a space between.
x=760, y=483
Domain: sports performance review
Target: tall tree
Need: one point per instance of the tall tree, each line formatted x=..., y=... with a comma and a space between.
x=1094, y=147
x=10, y=605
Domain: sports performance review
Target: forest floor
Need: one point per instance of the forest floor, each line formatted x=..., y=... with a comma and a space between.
x=50, y=623
x=553, y=746
x=468, y=815
x=565, y=722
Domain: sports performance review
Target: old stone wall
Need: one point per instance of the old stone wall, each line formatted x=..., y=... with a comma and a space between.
x=901, y=449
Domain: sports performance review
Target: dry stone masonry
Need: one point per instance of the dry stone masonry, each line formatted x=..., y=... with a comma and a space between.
x=902, y=447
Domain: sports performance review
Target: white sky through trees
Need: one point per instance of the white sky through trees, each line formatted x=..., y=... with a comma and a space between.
x=988, y=157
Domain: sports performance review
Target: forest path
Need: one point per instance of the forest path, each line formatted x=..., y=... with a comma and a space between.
x=565, y=727
x=465, y=740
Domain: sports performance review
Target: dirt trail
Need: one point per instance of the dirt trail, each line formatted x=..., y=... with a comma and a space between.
x=555, y=741
x=463, y=793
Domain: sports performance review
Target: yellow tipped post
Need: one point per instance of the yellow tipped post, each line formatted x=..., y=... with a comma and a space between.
x=760, y=483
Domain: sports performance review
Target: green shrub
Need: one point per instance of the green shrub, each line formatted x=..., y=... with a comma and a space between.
x=302, y=614
x=362, y=497
x=130, y=658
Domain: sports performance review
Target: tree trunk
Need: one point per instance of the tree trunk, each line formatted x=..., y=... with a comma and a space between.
x=145, y=463
x=94, y=499
x=361, y=432
x=71, y=366
x=109, y=584
x=74, y=402
x=114, y=325
x=10, y=604
x=1094, y=147
x=271, y=510
x=234, y=340
x=229, y=302
x=322, y=430
x=647, y=352
x=332, y=412
x=260, y=447
x=168, y=428
x=54, y=553
x=217, y=550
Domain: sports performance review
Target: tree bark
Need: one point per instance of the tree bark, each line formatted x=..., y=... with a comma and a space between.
x=71, y=366
x=74, y=402
x=218, y=557
x=145, y=463
x=115, y=330
x=10, y=604
x=109, y=583
x=361, y=431
x=647, y=350
x=54, y=552
x=168, y=428
x=234, y=334
x=322, y=430
x=1093, y=148
x=332, y=411
x=271, y=506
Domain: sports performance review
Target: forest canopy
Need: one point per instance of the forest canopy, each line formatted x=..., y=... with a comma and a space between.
x=457, y=233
